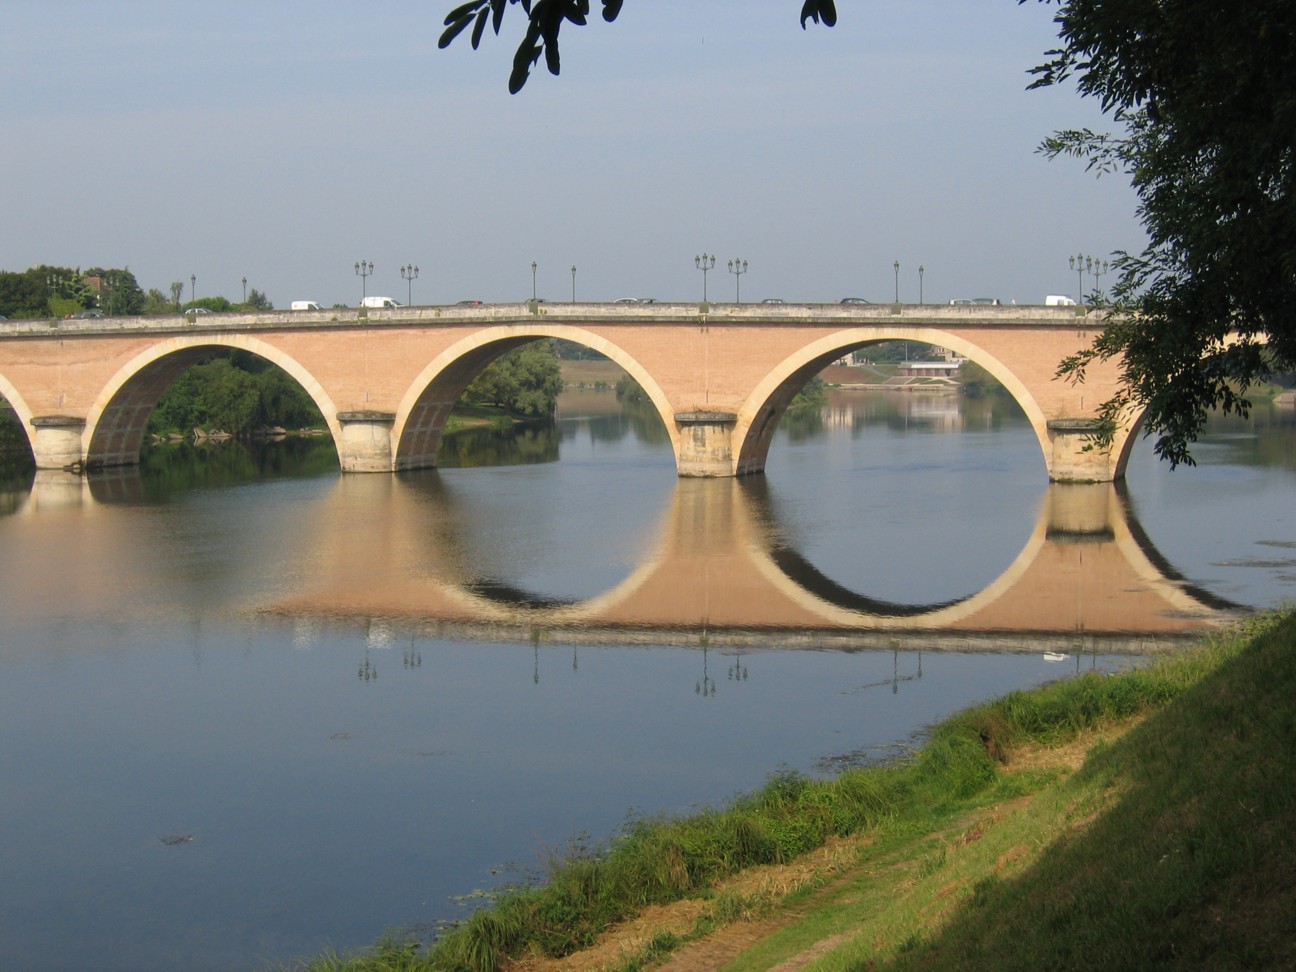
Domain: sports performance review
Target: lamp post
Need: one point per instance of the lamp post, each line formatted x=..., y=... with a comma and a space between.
x=573, y=283
x=245, y=290
x=897, y=281
x=1077, y=263
x=533, y=270
x=409, y=273
x=704, y=263
x=193, y=287
x=920, y=273
x=363, y=269
x=737, y=268
x=1097, y=268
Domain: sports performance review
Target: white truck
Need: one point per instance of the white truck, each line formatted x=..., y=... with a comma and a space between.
x=379, y=302
x=305, y=305
x=1058, y=300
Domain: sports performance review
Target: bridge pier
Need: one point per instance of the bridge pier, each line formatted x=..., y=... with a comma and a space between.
x=706, y=444
x=366, y=444
x=1072, y=457
x=56, y=442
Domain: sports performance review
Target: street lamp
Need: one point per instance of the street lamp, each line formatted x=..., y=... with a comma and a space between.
x=409, y=273
x=1097, y=268
x=704, y=263
x=737, y=268
x=1082, y=264
x=363, y=270
x=897, y=281
x=245, y=290
x=193, y=287
x=573, y=283
x=920, y=273
x=533, y=270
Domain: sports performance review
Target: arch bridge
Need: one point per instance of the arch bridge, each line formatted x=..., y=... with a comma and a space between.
x=720, y=375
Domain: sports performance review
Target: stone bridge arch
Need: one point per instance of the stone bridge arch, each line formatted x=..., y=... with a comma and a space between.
x=759, y=416
x=117, y=420
x=423, y=412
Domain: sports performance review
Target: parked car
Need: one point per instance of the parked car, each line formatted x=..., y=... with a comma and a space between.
x=93, y=312
x=471, y=303
x=773, y=300
x=626, y=300
x=196, y=310
x=855, y=300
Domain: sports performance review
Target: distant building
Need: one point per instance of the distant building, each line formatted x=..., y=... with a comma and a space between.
x=928, y=369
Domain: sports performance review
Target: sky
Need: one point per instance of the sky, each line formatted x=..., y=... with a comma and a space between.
x=285, y=141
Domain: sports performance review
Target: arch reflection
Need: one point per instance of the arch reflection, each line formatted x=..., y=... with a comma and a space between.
x=715, y=565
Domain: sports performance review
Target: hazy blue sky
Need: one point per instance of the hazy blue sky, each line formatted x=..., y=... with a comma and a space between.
x=284, y=141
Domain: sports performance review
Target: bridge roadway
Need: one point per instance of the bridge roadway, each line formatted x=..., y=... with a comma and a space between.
x=396, y=551
x=720, y=375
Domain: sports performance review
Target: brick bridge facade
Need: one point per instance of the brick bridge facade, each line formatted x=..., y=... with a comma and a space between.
x=720, y=375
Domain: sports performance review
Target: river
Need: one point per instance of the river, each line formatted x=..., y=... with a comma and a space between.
x=252, y=709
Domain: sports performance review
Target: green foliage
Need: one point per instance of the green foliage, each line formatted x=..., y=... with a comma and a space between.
x=812, y=397
x=234, y=394
x=526, y=381
x=976, y=381
x=573, y=351
x=156, y=302
x=1204, y=99
x=46, y=291
x=119, y=294
x=256, y=300
x=217, y=305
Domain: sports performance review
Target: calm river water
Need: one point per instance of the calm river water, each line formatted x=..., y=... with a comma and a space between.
x=252, y=709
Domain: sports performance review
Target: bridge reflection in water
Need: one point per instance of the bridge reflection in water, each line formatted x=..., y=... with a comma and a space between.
x=718, y=574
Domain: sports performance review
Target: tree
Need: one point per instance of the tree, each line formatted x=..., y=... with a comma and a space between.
x=545, y=19
x=526, y=381
x=256, y=300
x=1204, y=95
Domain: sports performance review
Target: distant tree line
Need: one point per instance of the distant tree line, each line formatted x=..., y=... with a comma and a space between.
x=47, y=291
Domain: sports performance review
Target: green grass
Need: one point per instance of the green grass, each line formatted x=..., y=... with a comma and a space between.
x=1172, y=845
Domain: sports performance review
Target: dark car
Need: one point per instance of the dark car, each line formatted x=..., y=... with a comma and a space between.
x=93, y=312
x=472, y=303
x=855, y=300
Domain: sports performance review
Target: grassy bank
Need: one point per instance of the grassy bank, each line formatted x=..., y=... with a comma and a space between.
x=1171, y=843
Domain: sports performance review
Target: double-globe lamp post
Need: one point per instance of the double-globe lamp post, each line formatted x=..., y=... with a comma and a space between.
x=409, y=273
x=363, y=270
x=704, y=263
x=737, y=268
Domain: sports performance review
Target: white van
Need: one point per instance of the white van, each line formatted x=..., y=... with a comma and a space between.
x=1058, y=300
x=379, y=302
x=305, y=305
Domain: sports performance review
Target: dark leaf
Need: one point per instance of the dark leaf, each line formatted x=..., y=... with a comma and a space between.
x=453, y=31
x=479, y=27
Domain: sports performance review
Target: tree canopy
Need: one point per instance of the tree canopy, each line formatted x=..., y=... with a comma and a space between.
x=1206, y=97
x=1203, y=95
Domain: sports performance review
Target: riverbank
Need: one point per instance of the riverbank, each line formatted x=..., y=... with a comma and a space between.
x=1114, y=821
